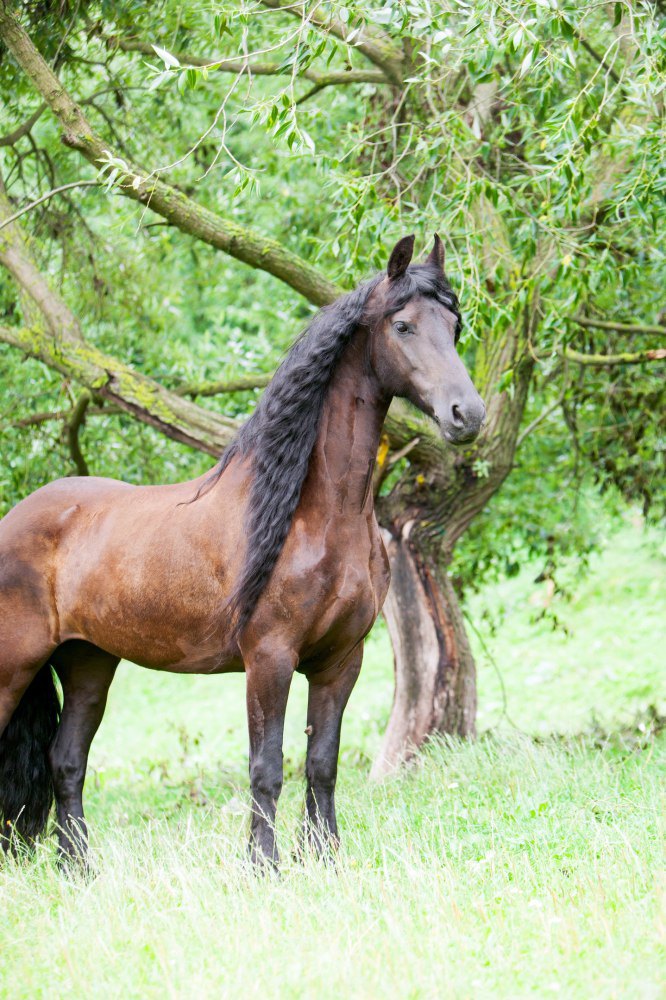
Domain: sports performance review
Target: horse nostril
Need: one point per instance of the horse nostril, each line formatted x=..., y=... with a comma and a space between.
x=458, y=418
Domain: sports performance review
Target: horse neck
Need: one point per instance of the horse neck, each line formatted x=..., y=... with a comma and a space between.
x=343, y=458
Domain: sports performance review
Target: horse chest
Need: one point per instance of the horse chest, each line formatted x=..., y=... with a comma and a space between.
x=337, y=577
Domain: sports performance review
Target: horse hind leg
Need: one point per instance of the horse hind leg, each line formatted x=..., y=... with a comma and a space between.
x=85, y=672
x=29, y=711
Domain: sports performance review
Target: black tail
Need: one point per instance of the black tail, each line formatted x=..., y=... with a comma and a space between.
x=26, y=790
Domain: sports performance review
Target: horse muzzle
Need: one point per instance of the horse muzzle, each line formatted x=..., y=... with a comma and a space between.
x=461, y=421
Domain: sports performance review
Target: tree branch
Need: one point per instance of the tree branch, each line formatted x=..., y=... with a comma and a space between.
x=73, y=426
x=538, y=420
x=224, y=234
x=122, y=386
x=13, y=137
x=599, y=58
x=626, y=358
x=242, y=383
x=215, y=64
x=599, y=324
x=43, y=417
x=53, y=335
x=47, y=197
x=376, y=46
x=37, y=296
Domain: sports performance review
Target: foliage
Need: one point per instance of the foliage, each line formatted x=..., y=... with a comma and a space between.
x=527, y=133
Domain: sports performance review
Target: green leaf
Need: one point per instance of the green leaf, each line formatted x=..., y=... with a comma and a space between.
x=527, y=62
x=167, y=58
x=308, y=140
x=566, y=29
x=505, y=380
x=111, y=179
x=158, y=80
x=381, y=16
x=221, y=23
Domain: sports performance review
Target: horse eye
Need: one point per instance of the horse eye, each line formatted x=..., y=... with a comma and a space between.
x=402, y=328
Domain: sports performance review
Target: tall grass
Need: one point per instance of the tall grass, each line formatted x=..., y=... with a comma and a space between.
x=512, y=867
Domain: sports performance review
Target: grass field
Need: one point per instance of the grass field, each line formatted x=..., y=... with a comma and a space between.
x=527, y=864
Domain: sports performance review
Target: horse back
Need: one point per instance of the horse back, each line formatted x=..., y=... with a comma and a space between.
x=137, y=570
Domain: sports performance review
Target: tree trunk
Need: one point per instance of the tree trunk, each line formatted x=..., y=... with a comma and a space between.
x=435, y=674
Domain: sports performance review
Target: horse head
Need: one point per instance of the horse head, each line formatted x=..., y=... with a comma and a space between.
x=415, y=323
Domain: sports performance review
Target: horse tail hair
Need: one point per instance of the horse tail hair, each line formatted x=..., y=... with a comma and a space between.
x=26, y=788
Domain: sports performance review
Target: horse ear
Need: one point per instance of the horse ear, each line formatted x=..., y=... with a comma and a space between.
x=400, y=257
x=436, y=255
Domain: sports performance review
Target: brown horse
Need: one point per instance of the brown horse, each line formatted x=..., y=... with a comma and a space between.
x=270, y=564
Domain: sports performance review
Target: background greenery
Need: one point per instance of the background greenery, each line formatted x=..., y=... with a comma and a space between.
x=560, y=189
x=530, y=863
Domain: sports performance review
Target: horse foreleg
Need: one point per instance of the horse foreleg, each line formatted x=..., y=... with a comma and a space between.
x=326, y=703
x=85, y=674
x=268, y=681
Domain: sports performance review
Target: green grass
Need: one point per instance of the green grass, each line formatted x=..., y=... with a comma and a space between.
x=512, y=867
x=605, y=660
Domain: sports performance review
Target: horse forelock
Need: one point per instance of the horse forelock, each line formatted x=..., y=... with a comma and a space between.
x=427, y=280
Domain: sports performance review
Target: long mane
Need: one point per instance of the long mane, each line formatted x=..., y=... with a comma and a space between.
x=281, y=433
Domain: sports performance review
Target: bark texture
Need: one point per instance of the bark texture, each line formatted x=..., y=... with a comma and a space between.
x=435, y=679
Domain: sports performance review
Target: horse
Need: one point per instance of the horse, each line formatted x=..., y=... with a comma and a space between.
x=272, y=563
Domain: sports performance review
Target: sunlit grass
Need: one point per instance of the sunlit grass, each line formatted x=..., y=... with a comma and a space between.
x=596, y=653
x=506, y=868
x=510, y=867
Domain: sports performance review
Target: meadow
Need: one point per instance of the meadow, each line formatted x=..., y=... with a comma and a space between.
x=529, y=863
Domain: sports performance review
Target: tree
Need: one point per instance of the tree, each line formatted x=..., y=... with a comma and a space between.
x=535, y=151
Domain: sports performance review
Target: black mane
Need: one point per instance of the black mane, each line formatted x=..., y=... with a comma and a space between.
x=281, y=433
